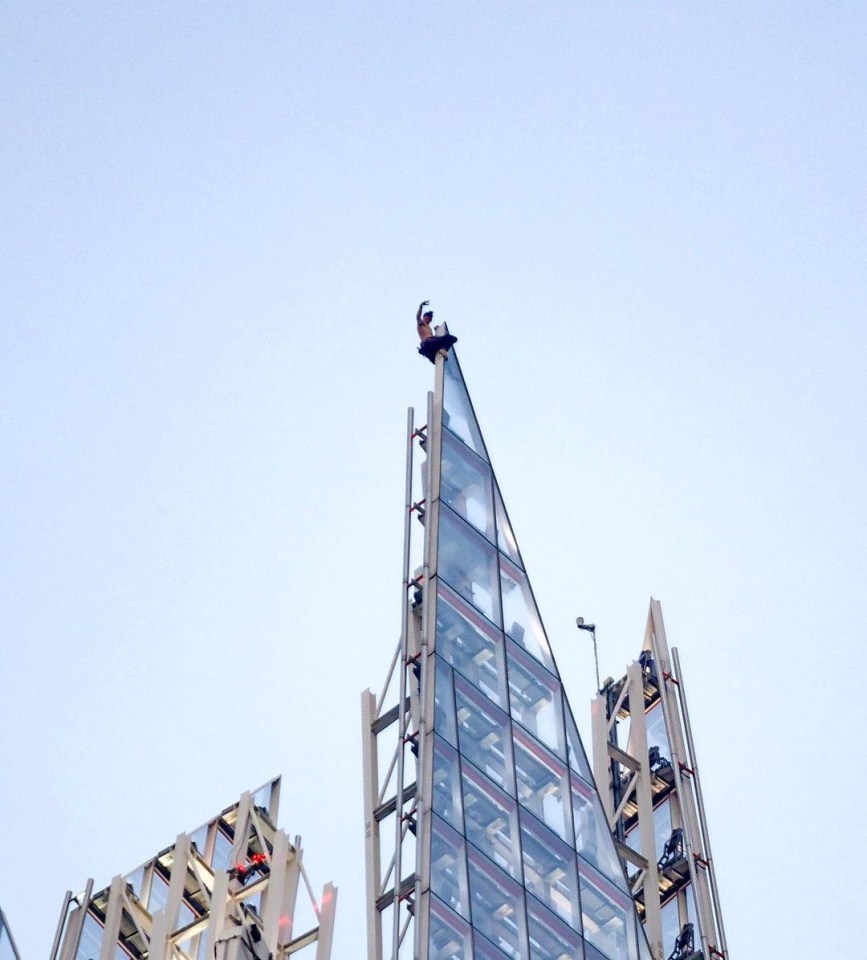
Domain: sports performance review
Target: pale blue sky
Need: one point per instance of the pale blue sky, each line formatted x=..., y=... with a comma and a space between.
x=645, y=222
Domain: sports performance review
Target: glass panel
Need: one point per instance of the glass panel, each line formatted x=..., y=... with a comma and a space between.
x=591, y=953
x=520, y=617
x=200, y=839
x=577, y=756
x=448, y=870
x=483, y=734
x=643, y=949
x=444, y=702
x=483, y=949
x=471, y=644
x=255, y=903
x=550, y=938
x=661, y=826
x=222, y=851
x=185, y=916
x=134, y=880
x=691, y=914
x=159, y=895
x=536, y=699
x=607, y=915
x=262, y=798
x=656, y=734
x=549, y=870
x=633, y=841
x=467, y=562
x=505, y=538
x=491, y=820
x=458, y=413
x=447, y=783
x=543, y=784
x=670, y=925
x=450, y=935
x=498, y=905
x=592, y=836
x=91, y=939
x=466, y=485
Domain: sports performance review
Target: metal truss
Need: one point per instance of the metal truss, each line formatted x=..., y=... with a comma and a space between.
x=227, y=891
x=651, y=765
x=397, y=725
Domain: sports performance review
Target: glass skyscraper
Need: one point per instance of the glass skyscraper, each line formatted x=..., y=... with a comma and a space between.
x=486, y=838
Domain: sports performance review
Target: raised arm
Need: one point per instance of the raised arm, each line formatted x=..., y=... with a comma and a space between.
x=421, y=307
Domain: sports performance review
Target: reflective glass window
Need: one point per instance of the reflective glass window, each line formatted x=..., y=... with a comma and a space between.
x=498, y=905
x=656, y=733
x=458, y=413
x=466, y=485
x=222, y=851
x=483, y=949
x=520, y=617
x=505, y=537
x=633, y=840
x=444, y=702
x=550, y=937
x=185, y=916
x=91, y=939
x=491, y=818
x=536, y=699
x=543, y=784
x=471, y=644
x=484, y=734
x=447, y=783
x=134, y=881
x=670, y=925
x=448, y=871
x=662, y=826
x=450, y=934
x=691, y=914
x=577, y=756
x=549, y=870
x=643, y=948
x=607, y=913
x=592, y=836
x=468, y=563
x=262, y=797
x=159, y=894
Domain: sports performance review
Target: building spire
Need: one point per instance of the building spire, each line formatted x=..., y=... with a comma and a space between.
x=485, y=830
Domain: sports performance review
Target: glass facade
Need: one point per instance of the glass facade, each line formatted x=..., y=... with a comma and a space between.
x=523, y=864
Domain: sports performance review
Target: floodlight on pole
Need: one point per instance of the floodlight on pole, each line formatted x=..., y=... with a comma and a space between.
x=591, y=628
